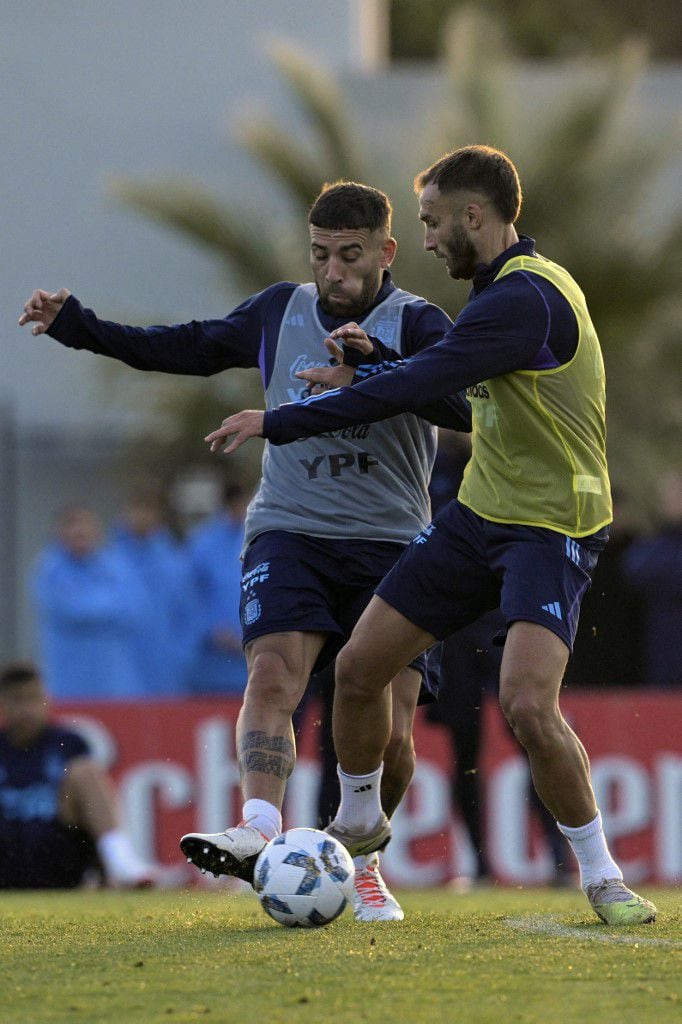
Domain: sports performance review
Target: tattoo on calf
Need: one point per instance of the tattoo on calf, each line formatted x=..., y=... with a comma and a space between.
x=271, y=755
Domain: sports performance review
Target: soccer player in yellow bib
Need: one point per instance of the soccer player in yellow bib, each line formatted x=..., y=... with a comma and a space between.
x=527, y=526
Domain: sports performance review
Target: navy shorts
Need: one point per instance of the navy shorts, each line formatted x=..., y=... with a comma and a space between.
x=292, y=583
x=462, y=565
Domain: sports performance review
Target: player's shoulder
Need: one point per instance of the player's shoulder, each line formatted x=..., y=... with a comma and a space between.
x=275, y=296
x=278, y=290
x=528, y=281
x=417, y=309
x=519, y=289
x=406, y=298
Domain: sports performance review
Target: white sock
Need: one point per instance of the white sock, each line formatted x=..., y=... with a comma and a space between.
x=121, y=863
x=264, y=816
x=588, y=843
x=360, y=807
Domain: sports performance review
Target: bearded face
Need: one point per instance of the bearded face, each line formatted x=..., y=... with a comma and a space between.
x=348, y=266
x=460, y=256
x=444, y=232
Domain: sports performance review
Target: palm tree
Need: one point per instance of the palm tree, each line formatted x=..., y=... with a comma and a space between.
x=587, y=173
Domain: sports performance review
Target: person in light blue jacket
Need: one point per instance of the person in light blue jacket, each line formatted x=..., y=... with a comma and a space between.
x=215, y=548
x=165, y=628
x=86, y=605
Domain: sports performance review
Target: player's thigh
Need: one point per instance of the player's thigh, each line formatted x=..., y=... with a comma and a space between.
x=545, y=576
x=533, y=665
x=281, y=663
x=382, y=644
x=442, y=581
x=290, y=585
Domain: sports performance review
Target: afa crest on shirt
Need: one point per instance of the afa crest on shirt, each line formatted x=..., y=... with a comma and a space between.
x=252, y=611
x=385, y=331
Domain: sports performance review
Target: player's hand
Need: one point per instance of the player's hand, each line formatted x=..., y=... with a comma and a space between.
x=42, y=308
x=338, y=376
x=322, y=377
x=353, y=336
x=244, y=425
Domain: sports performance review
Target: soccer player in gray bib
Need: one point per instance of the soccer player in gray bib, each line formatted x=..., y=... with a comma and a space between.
x=331, y=515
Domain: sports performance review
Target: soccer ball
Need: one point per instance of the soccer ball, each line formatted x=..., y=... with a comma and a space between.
x=304, y=878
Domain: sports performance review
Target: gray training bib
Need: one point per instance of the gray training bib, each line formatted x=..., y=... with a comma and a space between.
x=366, y=482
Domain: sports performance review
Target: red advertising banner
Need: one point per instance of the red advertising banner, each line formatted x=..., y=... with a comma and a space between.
x=176, y=771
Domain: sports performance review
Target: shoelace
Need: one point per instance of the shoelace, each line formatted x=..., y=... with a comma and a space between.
x=613, y=890
x=370, y=887
x=245, y=824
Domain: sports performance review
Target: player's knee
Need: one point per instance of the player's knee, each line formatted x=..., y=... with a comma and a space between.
x=81, y=773
x=273, y=682
x=533, y=722
x=350, y=674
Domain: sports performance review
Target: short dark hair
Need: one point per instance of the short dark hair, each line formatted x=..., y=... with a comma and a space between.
x=347, y=204
x=17, y=672
x=480, y=169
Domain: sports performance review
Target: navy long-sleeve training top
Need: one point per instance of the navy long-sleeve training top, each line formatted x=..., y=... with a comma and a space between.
x=522, y=323
x=247, y=337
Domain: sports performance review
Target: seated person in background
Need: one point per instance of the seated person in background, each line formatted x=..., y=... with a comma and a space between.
x=58, y=814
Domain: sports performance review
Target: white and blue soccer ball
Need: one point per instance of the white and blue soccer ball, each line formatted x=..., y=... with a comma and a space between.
x=304, y=878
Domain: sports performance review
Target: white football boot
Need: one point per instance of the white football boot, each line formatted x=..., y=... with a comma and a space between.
x=371, y=899
x=232, y=852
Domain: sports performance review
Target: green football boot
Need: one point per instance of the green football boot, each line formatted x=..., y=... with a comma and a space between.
x=616, y=905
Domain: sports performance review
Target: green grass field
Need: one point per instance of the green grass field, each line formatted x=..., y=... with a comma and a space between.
x=490, y=956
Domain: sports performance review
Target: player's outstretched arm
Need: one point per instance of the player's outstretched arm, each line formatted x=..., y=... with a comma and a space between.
x=199, y=348
x=42, y=309
x=243, y=425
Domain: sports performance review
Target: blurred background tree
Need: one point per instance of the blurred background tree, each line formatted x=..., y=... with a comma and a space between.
x=588, y=172
x=538, y=29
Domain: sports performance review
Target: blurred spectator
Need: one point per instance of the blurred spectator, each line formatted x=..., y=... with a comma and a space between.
x=653, y=568
x=166, y=619
x=215, y=553
x=58, y=815
x=608, y=644
x=86, y=612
